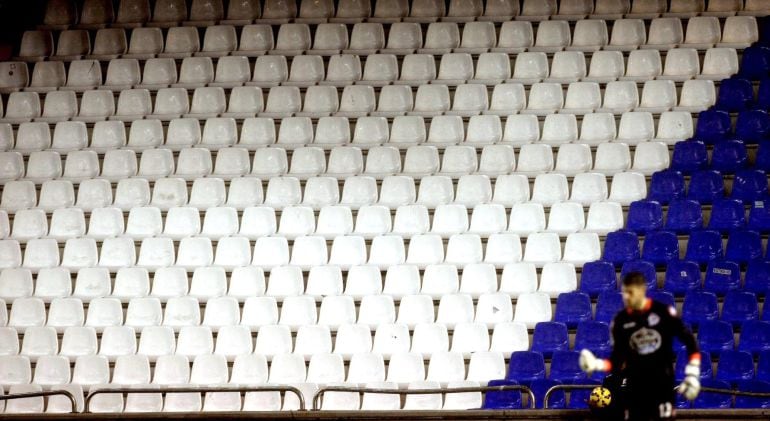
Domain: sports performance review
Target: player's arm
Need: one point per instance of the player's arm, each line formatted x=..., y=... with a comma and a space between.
x=590, y=363
x=690, y=386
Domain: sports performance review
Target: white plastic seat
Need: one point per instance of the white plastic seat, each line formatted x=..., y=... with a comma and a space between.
x=598, y=128
x=47, y=74
x=298, y=311
x=582, y=97
x=312, y=340
x=36, y=44
x=435, y=190
x=703, y=31
x=542, y=248
x=59, y=105
x=719, y=63
x=330, y=38
x=287, y=368
x=259, y=311
x=22, y=106
x=181, y=42
x=406, y=368
x=84, y=74
x=73, y=43
x=273, y=340
x=738, y=31
x=696, y=96
x=117, y=341
x=390, y=339
x=109, y=43
x=553, y=35
x=665, y=32
x=627, y=187
x=293, y=37
x=77, y=341
x=620, y=96
x=326, y=368
x=144, y=42
x=483, y=129
x=404, y=37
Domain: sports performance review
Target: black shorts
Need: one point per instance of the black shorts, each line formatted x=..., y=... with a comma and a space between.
x=650, y=398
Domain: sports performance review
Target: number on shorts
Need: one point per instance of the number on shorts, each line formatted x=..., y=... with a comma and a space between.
x=666, y=410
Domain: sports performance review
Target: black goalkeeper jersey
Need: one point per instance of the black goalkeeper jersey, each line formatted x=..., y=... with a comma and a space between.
x=643, y=341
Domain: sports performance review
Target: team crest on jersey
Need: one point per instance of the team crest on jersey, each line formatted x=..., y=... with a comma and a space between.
x=653, y=319
x=645, y=341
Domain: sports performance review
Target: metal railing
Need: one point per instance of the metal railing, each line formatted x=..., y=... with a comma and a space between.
x=203, y=389
x=400, y=392
x=58, y=392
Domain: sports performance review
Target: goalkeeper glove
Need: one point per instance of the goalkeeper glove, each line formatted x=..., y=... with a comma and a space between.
x=690, y=386
x=589, y=363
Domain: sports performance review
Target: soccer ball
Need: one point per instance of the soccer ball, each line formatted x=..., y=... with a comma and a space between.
x=600, y=397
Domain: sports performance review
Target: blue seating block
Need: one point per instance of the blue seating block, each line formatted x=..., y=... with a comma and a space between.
x=763, y=96
x=729, y=156
x=661, y=247
x=753, y=126
x=713, y=400
x=704, y=246
x=664, y=297
x=608, y=305
x=740, y=306
x=644, y=216
x=666, y=186
x=621, y=246
x=682, y=276
x=706, y=186
x=758, y=277
x=750, y=185
x=722, y=276
x=578, y=398
x=594, y=336
x=684, y=216
x=713, y=126
x=743, y=246
x=727, y=215
x=597, y=277
x=735, y=95
x=762, y=157
x=573, y=308
x=565, y=367
x=755, y=64
x=700, y=306
x=757, y=386
x=755, y=337
x=550, y=337
x=646, y=268
x=763, y=366
x=526, y=366
x=682, y=358
x=715, y=336
x=503, y=399
x=689, y=156
x=759, y=216
x=557, y=399
x=734, y=366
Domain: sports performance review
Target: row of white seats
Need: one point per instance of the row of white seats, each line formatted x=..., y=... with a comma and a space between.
x=208, y=283
x=632, y=128
x=306, y=251
x=96, y=13
x=379, y=69
x=394, y=100
x=147, y=314
x=403, y=38
x=372, y=220
x=419, y=161
x=242, y=193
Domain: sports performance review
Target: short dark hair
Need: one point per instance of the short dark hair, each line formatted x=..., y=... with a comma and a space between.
x=634, y=278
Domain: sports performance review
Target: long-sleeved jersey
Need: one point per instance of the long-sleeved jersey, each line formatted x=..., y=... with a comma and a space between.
x=643, y=341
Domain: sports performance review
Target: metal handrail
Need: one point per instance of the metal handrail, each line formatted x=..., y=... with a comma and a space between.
x=202, y=389
x=362, y=390
x=62, y=392
x=703, y=389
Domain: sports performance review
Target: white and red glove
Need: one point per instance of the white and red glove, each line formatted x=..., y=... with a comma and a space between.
x=590, y=364
x=690, y=386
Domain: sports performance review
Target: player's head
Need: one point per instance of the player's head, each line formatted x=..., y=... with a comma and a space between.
x=634, y=290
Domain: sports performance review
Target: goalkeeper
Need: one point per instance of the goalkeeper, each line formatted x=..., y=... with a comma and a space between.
x=643, y=334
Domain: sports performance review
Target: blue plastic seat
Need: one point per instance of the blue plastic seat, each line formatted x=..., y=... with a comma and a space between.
x=755, y=64
x=763, y=366
x=689, y=156
x=704, y=246
x=557, y=399
x=502, y=399
x=578, y=398
x=734, y=366
x=608, y=305
x=763, y=95
x=743, y=246
x=598, y=276
x=739, y=307
x=722, y=276
x=621, y=246
x=706, y=186
x=684, y=216
x=594, y=336
x=666, y=186
x=753, y=126
x=755, y=337
x=661, y=247
x=727, y=215
x=550, y=337
x=758, y=278
x=715, y=336
x=646, y=268
x=526, y=366
x=682, y=358
x=664, y=297
x=682, y=276
x=759, y=216
x=644, y=216
x=565, y=367
x=757, y=386
x=750, y=185
x=713, y=126
x=729, y=156
x=713, y=400
x=700, y=306
x=735, y=95
x=573, y=308
x=762, y=157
